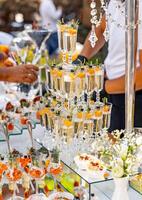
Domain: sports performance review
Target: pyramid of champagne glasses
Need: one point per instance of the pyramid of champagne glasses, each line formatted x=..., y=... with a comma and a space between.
x=70, y=115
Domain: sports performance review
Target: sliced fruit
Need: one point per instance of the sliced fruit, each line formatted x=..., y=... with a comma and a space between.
x=10, y=126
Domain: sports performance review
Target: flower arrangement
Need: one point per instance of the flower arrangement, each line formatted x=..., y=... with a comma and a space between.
x=120, y=152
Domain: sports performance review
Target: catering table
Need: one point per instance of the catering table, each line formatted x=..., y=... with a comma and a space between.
x=21, y=142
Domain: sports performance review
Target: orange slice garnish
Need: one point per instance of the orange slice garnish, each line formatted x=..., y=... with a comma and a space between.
x=72, y=75
x=106, y=108
x=98, y=113
x=97, y=69
x=72, y=31
x=80, y=115
x=91, y=71
x=59, y=73
x=67, y=123
x=81, y=75
x=54, y=72
x=88, y=115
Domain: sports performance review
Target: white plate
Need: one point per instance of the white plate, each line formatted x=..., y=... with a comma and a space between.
x=83, y=164
x=40, y=196
x=61, y=194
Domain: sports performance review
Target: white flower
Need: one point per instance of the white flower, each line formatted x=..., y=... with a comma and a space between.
x=119, y=162
x=139, y=141
x=117, y=172
x=123, y=152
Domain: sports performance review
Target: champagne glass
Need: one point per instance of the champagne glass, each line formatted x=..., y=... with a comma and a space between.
x=59, y=81
x=42, y=70
x=69, y=89
x=90, y=82
x=80, y=83
x=69, y=41
x=78, y=118
x=99, y=81
x=67, y=129
x=88, y=123
x=106, y=115
x=61, y=29
x=97, y=119
x=53, y=72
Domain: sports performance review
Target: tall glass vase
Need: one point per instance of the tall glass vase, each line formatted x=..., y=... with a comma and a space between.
x=121, y=189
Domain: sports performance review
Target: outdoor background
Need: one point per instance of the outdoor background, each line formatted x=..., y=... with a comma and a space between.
x=78, y=9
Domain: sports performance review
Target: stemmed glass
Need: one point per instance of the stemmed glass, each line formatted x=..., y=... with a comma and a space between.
x=55, y=164
x=61, y=29
x=99, y=81
x=67, y=34
x=42, y=69
x=80, y=84
x=3, y=169
x=69, y=86
x=69, y=41
x=88, y=123
x=14, y=175
x=24, y=162
x=97, y=119
x=39, y=37
x=90, y=82
x=106, y=116
x=21, y=46
x=37, y=172
x=67, y=129
x=59, y=81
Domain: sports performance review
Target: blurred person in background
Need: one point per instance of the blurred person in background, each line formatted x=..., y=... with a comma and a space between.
x=50, y=13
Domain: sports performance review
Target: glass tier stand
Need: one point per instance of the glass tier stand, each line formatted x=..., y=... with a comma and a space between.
x=102, y=188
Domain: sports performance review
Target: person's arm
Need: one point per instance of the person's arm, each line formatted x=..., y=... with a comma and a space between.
x=117, y=86
x=88, y=51
x=19, y=74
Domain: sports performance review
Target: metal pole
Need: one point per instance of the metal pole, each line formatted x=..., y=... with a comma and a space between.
x=130, y=65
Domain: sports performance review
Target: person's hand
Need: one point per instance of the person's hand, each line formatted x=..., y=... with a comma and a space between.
x=22, y=74
x=80, y=60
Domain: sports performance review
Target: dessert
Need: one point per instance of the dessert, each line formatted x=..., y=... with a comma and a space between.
x=10, y=126
x=9, y=107
x=136, y=183
x=24, y=103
